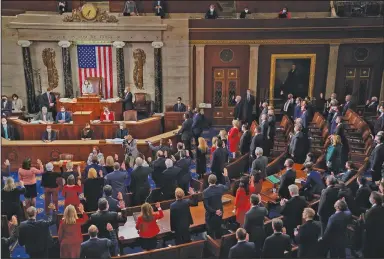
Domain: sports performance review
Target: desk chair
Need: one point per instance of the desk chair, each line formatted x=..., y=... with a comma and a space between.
x=130, y=115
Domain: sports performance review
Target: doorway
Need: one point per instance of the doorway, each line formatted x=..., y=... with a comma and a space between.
x=357, y=83
x=226, y=86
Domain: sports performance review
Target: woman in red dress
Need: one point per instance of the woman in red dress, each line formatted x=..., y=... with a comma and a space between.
x=147, y=226
x=70, y=236
x=234, y=137
x=106, y=115
x=242, y=202
x=71, y=192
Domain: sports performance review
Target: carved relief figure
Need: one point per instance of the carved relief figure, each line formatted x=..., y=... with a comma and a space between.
x=139, y=56
x=49, y=56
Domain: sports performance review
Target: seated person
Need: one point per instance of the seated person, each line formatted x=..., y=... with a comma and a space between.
x=345, y=176
x=179, y=106
x=44, y=116
x=62, y=6
x=86, y=133
x=87, y=88
x=17, y=103
x=130, y=8
x=6, y=106
x=95, y=152
x=244, y=13
x=211, y=13
x=314, y=183
x=107, y=115
x=284, y=13
x=7, y=131
x=49, y=135
x=122, y=131
x=159, y=8
x=63, y=116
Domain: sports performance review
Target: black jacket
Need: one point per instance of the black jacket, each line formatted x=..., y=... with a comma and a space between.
x=186, y=129
x=127, y=102
x=376, y=161
x=257, y=141
x=182, y=108
x=7, y=242
x=248, y=107
x=327, y=201
x=113, y=204
x=242, y=250
x=243, y=14
x=158, y=167
x=214, y=15
x=245, y=142
x=296, y=147
x=286, y=180
x=239, y=111
x=101, y=218
x=212, y=198
x=10, y=131
x=139, y=183
x=219, y=159
x=307, y=239
x=198, y=124
x=362, y=198
x=292, y=212
x=290, y=107
x=379, y=124
x=169, y=181
x=374, y=229
x=44, y=101
x=181, y=218
x=121, y=133
x=254, y=223
x=184, y=176
x=335, y=234
x=98, y=247
x=275, y=245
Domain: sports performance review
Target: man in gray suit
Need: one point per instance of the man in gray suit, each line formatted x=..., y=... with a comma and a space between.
x=116, y=179
x=260, y=163
x=297, y=145
x=44, y=116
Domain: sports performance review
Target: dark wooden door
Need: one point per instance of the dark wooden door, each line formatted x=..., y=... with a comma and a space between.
x=226, y=86
x=358, y=84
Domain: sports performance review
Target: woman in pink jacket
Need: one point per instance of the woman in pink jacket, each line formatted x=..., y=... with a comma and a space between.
x=27, y=174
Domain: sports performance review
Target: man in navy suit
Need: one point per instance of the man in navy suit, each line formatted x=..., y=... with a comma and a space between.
x=287, y=179
x=186, y=132
x=379, y=123
x=249, y=102
x=116, y=179
x=48, y=99
x=276, y=244
x=184, y=176
x=304, y=118
x=198, y=125
x=376, y=158
x=334, y=121
x=335, y=235
x=63, y=116
x=98, y=247
x=127, y=102
x=6, y=106
x=219, y=158
x=348, y=104
x=49, y=135
x=113, y=203
x=179, y=106
x=213, y=204
x=328, y=198
x=243, y=248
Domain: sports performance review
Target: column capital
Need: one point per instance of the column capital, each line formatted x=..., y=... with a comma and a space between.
x=334, y=45
x=254, y=45
x=157, y=44
x=118, y=44
x=24, y=43
x=64, y=43
x=199, y=45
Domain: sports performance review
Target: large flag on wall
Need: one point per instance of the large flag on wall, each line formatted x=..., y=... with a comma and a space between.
x=96, y=61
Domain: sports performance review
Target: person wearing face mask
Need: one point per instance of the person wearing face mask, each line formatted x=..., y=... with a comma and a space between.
x=49, y=135
x=244, y=13
x=159, y=8
x=297, y=109
x=179, y=106
x=17, y=103
x=6, y=106
x=376, y=158
x=379, y=123
x=211, y=13
x=284, y=13
x=7, y=131
x=122, y=131
x=48, y=100
x=63, y=116
x=87, y=133
x=371, y=105
x=91, y=158
x=44, y=116
x=249, y=102
x=127, y=101
x=107, y=115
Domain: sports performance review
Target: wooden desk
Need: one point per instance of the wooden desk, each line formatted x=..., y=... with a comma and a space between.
x=128, y=233
x=17, y=150
x=95, y=106
x=172, y=120
x=141, y=129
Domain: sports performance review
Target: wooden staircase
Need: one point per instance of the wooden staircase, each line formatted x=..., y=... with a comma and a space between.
x=227, y=9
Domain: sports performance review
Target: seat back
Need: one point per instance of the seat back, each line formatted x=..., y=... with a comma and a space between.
x=236, y=167
x=169, y=108
x=130, y=115
x=276, y=165
x=192, y=250
x=227, y=241
x=140, y=98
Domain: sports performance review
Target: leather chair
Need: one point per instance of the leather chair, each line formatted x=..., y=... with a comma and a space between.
x=169, y=108
x=141, y=103
x=130, y=115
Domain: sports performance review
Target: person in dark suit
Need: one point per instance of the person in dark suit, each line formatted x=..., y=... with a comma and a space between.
x=335, y=235
x=271, y=119
x=139, y=182
x=112, y=202
x=103, y=216
x=186, y=132
x=49, y=135
x=35, y=235
x=238, y=113
x=292, y=209
x=48, y=99
x=7, y=131
x=296, y=146
x=260, y=163
x=288, y=107
x=371, y=105
x=362, y=194
x=159, y=8
x=169, y=179
x=244, y=13
x=257, y=141
x=245, y=139
x=347, y=105
x=63, y=116
x=184, y=176
x=249, y=102
x=87, y=132
x=254, y=223
x=304, y=118
x=276, y=244
x=349, y=173
x=116, y=179
x=97, y=247
x=179, y=106
x=213, y=204
x=336, y=114
x=314, y=183
x=376, y=158
x=339, y=130
x=264, y=110
x=374, y=228
x=287, y=179
x=307, y=235
x=219, y=159
x=181, y=218
x=127, y=101
x=243, y=248
x=327, y=200
x=6, y=242
x=379, y=123
x=211, y=13
x=198, y=125
x=158, y=167
x=162, y=146
x=297, y=108
x=6, y=106
x=122, y=131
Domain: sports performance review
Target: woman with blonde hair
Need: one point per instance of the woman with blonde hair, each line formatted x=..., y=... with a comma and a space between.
x=234, y=137
x=333, y=156
x=10, y=199
x=201, y=157
x=214, y=146
x=147, y=226
x=93, y=189
x=70, y=236
x=109, y=162
x=223, y=135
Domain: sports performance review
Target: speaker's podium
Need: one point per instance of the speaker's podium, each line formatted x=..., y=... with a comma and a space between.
x=82, y=117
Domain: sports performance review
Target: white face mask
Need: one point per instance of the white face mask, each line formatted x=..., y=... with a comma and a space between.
x=121, y=127
x=4, y=122
x=211, y=9
x=246, y=10
x=49, y=130
x=284, y=11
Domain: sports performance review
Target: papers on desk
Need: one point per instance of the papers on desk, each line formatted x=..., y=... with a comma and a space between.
x=111, y=100
x=35, y=122
x=66, y=100
x=299, y=180
x=115, y=141
x=273, y=179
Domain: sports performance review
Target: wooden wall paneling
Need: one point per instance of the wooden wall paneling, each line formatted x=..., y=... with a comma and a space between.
x=276, y=6
x=144, y=6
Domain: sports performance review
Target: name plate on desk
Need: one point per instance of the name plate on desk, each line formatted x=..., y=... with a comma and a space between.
x=205, y=105
x=88, y=98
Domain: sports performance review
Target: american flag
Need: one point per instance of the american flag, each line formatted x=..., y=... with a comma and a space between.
x=96, y=61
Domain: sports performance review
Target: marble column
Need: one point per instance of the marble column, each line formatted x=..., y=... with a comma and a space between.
x=253, y=67
x=67, y=70
x=119, y=45
x=32, y=104
x=157, y=45
x=332, y=67
x=333, y=11
x=200, y=48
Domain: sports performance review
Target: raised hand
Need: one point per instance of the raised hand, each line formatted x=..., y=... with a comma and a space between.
x=39, y=162
x=81, y=208
x=21, y=183
x=191, y=191
x=6, y=163
x=79, y=182
x=157, y=205
x=225, y=172
x=119, y=196
x=14, y=220
x=116, y=158
x=109, y=227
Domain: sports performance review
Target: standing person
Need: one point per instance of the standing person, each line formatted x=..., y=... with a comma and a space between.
x=257, y=141
x=49, y=181
x=27, y=174
x=139, y=182
x=127, y=102
x=122, y=131
x=70, y=236
x=260, y=163
x=147, y=227
x=295, y=148
x=288, y=107
x=219, y=158
x=131, y=151
x=243, y=248
x=211, y=13
x=327, y=200
x=159, y=9
x=179, y=106
x=48, y=99
x=271, y=126
x=376, y=159
x=339, y=130
x=71, y=192
x=201, y=157
x=333, y=157
x=130, y=10
x=198, y=124
x=242, y=204
x=17, y=103
x=98, y=247
x=245, y=140
x=10, y=199
x=116, y=179
x=223, y=135
x=35, y=234
x=244, y=13
x=6, y=242
x=93, y=190
x=213, y=205
x=276, y=244
x=238, y=113
x=184, y=177
x=249, y=102
x=213, y=147
x=234, y=137
x=297, y=108
x=287, y=179
x=186, y=132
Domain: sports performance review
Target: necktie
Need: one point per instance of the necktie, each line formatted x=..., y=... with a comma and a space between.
x=6, y=132
x=5, y=104
x=63, y=116
x=49, y=135
x=248, y=97
x=49, y=97
x=179, y=107
x=286, y=106
x=44, y=117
